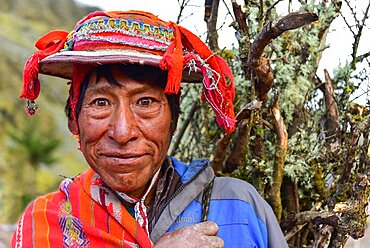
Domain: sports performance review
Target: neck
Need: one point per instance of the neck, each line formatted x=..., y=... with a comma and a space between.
x=146, y=193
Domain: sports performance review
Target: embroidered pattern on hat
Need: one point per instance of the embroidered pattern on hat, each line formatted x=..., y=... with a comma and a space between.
x=121, y=31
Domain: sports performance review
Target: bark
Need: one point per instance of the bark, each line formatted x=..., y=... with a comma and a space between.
x=212, y=25
x=245, y=112
x=257, y=148
x=241, y=142
x=331, y=113
x=260, y=65
x=364, y=158
x=237, y=154
x=350, y=157
x=243, y=36
x=240, y=17
x=207, y=9
x=280, y=155
x=322, y=237
x=337, y=240
x=291, y=203
x=342, y=190
x=184, y=126
x=292, y=233
x=290, y=190
x=314, y=217
x=347, y=218
x=355, y=217
x=219, y=155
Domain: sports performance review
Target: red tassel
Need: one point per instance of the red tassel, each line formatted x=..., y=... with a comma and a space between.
x=173, y=61
x=31, y=83
x=48, y=44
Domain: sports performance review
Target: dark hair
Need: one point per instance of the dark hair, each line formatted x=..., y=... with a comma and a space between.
x=148, y=74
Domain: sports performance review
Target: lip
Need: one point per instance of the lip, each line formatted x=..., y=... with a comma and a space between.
x=122, y=158
x=122, y=155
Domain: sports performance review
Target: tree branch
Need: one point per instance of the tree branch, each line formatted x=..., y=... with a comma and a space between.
x=219, y=154
x=267, y=13
x=360, y=27
x=228, y=10
x=240, y=17
x=182, y=5
x=184, y=127
x=348, y=218
x=331, y=112
x=239, y=150
x=260, y=65
x=280, y=155
x=211, y=25
x=360, y=58
x=345, y=20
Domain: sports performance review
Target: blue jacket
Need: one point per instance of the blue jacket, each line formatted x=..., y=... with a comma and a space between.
x=243, y=216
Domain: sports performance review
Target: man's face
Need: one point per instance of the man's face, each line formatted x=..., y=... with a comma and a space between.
x=124, y=131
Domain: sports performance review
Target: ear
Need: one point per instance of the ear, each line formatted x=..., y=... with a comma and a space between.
x=72, y=125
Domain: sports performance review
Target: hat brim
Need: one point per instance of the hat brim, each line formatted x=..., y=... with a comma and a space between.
x=61, y=64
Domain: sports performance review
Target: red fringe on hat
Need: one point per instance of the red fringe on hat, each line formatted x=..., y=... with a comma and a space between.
x=48, y=44
x=173, y=61
x=220, y=98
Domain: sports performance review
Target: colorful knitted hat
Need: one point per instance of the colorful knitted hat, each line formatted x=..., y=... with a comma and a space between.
x=132, y=37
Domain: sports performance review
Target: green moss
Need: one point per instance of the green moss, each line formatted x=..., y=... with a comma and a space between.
x=259, y=131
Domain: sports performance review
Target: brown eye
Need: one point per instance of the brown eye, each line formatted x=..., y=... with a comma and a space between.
x=145, y=101
x=101, y=102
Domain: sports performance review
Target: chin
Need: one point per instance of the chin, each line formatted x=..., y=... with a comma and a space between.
x=125, y=186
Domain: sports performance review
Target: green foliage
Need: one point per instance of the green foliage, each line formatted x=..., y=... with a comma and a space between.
x=28, y=153
x=32, y=147
x=30, y=139
x=305, y=149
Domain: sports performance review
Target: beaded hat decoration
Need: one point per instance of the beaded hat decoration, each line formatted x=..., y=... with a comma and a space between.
x=131, y=37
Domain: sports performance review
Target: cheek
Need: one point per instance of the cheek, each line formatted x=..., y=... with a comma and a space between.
x=91, y=131
x=158, y=131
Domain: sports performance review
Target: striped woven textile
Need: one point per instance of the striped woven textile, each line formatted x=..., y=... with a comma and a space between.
x=83, y=213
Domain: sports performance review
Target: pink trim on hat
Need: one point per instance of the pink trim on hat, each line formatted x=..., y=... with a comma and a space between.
x=97, y=41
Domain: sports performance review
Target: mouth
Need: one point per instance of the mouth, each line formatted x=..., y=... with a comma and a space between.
x=116, y=156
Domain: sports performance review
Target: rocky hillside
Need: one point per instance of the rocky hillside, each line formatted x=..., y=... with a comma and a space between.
x=48, y=13
x=22, y=23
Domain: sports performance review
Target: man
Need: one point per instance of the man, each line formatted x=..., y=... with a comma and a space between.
x=125, y=70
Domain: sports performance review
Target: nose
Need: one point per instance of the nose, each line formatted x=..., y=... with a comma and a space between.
x=123, y=126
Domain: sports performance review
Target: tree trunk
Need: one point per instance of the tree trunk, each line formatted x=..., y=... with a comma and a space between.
x=280, y=155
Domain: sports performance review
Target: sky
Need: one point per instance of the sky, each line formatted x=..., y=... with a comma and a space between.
x=339, y=38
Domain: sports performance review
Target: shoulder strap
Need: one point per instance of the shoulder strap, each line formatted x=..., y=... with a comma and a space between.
x=207, y=192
